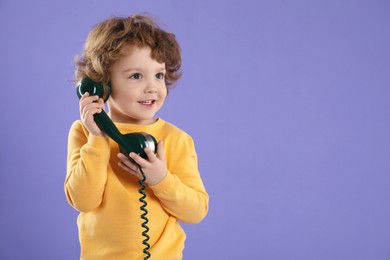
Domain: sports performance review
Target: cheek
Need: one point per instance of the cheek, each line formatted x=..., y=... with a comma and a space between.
x=164, y=93
x=123, y=99
x=162, y=99
x=130, y=95
x=126, y=95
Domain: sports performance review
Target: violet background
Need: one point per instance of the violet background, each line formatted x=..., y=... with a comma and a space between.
x=287, y=101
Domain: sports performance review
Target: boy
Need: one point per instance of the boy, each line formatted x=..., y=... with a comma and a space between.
x=141, y=62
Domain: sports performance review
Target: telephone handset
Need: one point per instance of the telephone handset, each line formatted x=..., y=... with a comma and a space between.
x=132, y=142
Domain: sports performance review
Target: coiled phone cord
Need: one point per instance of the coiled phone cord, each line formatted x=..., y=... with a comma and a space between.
x=143, y=215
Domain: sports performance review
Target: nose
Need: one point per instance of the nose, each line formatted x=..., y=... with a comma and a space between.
x=151, y=87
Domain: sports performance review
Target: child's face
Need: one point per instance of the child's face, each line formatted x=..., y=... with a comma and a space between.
x=138, y=88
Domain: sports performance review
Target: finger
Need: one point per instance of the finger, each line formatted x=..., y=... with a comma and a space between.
x=82, y=101
x=101, y=101
x=150, y=154
x=90, y=113
x=127, y=162
x=124, y=167
x=86, y=94
x=86, y=100
x=160, y=151
x=138, y=159
x=95, y=107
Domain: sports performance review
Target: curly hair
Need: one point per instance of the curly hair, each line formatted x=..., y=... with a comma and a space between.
x=110, y=39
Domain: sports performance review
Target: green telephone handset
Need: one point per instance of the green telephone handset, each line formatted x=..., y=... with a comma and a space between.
x=132, y=142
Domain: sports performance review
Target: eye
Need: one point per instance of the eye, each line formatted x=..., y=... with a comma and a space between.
x=160, y=75
x=136, y=76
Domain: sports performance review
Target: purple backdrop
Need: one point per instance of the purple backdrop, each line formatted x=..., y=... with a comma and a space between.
x=288, y=103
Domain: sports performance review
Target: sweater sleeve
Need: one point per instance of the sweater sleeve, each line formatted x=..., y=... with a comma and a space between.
x=88, y=157
x=182, y=192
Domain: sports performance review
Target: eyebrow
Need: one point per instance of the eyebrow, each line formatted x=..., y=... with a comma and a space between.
x=140, y=69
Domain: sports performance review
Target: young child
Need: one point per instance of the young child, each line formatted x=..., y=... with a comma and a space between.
x=141, y=62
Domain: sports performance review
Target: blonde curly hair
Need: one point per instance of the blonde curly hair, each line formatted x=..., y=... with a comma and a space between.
x=111, y=38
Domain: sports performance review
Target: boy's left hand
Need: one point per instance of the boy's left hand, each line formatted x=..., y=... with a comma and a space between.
x=154, y=168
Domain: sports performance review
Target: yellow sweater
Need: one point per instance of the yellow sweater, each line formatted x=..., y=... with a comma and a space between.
x=107, y=197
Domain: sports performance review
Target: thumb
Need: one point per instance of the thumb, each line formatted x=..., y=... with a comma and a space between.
x=160, y=150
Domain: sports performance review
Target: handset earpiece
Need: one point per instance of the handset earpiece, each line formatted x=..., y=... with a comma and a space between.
x=132, y=142
x=93, y=88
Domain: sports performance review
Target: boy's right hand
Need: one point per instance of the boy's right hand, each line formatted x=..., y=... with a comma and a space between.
x=90, y=105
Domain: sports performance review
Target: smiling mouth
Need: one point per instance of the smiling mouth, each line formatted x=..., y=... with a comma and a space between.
x=147, y=102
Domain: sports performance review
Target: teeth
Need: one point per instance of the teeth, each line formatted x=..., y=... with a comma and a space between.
x=147, y=102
